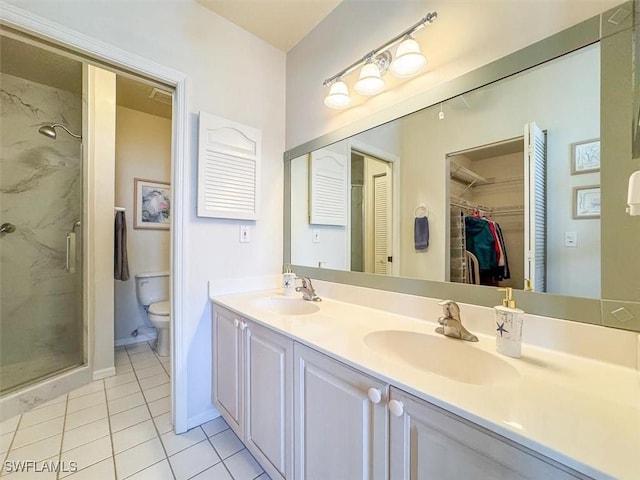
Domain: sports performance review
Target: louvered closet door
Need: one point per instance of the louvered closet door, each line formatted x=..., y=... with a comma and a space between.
x=229, y=158
x=381, y=224
x=535, y=211
x=328, y=188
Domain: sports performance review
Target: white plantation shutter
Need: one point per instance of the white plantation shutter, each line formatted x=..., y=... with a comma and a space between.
x=328, y=188
x=381, y=225
x=229, y=157
x=535, y=199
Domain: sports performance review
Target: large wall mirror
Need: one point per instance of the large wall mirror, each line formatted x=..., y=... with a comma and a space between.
x=515, y=182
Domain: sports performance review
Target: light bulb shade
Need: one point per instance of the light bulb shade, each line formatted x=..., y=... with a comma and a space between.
x=409, y=61
x=370, y=82
x=338, y=97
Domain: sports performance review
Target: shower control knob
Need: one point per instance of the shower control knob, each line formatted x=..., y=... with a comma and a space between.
x=7, y=228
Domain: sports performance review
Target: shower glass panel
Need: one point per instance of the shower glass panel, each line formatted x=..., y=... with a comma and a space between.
x=41, y=178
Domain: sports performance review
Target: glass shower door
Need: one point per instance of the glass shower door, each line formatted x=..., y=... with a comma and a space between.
x=41, y=295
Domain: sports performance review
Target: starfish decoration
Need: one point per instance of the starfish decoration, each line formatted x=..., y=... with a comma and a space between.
x=287, y=283
x=501, y=328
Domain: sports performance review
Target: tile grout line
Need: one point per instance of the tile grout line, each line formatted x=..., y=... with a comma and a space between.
x=64, y=424
x=113, y=450
x=9, y=448
x=215, y=450
x=166, y=457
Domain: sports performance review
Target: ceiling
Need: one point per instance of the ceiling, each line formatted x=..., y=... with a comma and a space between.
x=282, y=23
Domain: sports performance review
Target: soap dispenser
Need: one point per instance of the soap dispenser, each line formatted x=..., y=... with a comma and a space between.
x=509, y=326
x=289, y=282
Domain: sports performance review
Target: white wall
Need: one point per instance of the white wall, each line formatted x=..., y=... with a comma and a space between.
x=232, y=74
x=466, y=35
x=143, y=150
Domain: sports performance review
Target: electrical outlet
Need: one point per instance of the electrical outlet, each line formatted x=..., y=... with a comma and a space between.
x=244, y=234
x=316, y=236
x=570, y=239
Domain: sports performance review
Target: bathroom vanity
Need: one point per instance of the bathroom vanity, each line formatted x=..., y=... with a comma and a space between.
x=338, y=390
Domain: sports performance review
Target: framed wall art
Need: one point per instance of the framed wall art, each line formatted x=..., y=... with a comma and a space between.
x=152, y=201
x=585, y=157
x=586, y=202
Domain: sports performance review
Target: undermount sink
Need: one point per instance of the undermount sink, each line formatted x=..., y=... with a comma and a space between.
x=288, y=305
x=447, y=357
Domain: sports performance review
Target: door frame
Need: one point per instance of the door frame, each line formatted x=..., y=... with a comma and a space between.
x=103, y=53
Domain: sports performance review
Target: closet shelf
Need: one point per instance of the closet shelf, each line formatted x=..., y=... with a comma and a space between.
x=463, y=174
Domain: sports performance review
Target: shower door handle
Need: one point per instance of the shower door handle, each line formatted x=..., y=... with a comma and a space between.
x=71, y=253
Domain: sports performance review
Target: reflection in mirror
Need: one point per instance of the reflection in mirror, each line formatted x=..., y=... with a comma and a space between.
x=478, y=189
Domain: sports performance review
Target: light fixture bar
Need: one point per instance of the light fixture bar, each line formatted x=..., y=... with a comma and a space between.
x=372, y=54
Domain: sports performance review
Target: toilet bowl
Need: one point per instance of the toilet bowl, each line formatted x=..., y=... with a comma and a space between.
x=152, y=290
x=159, y=315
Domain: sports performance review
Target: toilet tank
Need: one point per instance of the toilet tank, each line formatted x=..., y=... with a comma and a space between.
x=152, y=287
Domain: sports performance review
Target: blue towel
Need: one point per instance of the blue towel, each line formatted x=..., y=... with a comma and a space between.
x=421, y=233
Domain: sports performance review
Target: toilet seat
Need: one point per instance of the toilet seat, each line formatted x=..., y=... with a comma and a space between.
x=160, y=309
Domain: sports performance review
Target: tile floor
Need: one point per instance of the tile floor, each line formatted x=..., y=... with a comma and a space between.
x=120, y=427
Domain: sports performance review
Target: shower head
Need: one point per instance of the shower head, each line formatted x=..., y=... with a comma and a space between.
x=49, y=130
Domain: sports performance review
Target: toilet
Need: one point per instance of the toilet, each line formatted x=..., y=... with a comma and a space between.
x=152, y=290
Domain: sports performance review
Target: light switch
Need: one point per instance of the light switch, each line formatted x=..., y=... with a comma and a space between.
x=244, y=234
x=316, y=236
x=570, y=239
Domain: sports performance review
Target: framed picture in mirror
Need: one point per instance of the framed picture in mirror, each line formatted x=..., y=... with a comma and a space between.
x=585, y=156
x=586, y=202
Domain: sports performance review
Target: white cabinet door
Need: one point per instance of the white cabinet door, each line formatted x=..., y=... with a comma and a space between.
x=429, y=443
x=339, y=432
x=227, y=388
x=268, y=429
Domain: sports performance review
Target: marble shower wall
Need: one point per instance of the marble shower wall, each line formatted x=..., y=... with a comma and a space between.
x=41, y=194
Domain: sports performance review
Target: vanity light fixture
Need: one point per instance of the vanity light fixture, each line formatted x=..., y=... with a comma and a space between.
x=408, y=61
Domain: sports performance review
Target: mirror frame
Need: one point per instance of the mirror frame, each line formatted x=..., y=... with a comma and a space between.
x=615, y=39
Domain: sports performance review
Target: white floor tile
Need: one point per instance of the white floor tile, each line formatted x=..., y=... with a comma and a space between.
x=84, y=416
x=216, y=425
x=157, y=393
x=175, y=443
x=243, y=466
x=40, y=415
x=158, y=407
x=128, y=418
x=120, y=379
x=132, y=436
x=138, y=458
x=100, y=471
x=9, y=425
x=264, y=476
x=34, y=433
x=193, y=460
x=124, y=368
x=158, y=471
x=138, y=347
x=226, y=443
x=146, y=363
x=85, y=434
x=36, y=451
x=5, y=442
x=122, y=391
x=125, y=403
x=88, y=454
x=86, y=401
x=154, y=381
x=149, y=371
x=139, y=356
x=217, y=472
x=53, y=401
x=163, y=423
x=92, y=387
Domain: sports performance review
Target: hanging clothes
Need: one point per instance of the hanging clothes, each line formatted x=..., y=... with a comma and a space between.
x=481, y=242
x=502, y=272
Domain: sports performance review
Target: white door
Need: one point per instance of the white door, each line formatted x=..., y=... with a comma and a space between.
x=269, y=399
x=227, y=395
x=535, y=207
x=339, y=432
x=382, y=223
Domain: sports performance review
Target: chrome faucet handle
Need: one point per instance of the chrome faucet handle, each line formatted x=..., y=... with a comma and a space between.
x=452, y=323
x=307, y=290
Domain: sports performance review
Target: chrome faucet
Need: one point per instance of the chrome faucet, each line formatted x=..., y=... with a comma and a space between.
x=452, y=324
x=307, y=290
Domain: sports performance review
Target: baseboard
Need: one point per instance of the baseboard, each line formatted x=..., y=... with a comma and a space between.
x=203, y=417
x=133, y=340
x=104, y=373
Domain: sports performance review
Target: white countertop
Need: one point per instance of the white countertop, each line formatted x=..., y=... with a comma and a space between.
x=580, y=412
